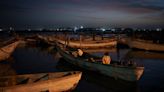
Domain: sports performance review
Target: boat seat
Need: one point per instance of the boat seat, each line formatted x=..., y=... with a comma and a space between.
x=23, y=81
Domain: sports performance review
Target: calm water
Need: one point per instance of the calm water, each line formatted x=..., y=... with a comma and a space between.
x=32, y=59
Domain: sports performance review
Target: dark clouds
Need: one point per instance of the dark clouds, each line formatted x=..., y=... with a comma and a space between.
x=37, y=13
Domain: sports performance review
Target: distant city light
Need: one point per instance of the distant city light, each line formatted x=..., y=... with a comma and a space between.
x=158, y=29
x=139, y=29
x=103, y=29
x=109, y=28
x=97, y=29
x=1, y=30
x=11, y=28
x=122, y=29
x=81, y=27
x=75, y=29
x=113, y=30
x=40, y=29
x=29, y=29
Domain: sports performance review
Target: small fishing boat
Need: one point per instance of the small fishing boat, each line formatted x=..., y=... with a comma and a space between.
x=145, y=45
x=124, y=72
x=78, y=44
x=110, y=84
x=7, y=50
x=99, y=50
x=41, y=82
x=89, y=44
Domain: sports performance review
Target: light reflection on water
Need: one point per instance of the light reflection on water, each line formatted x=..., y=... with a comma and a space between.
x=36, y=59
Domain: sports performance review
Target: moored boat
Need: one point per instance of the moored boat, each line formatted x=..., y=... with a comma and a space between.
x=127, y=73
x=77, y=44
x=41, y=82
x=145, y=45
x=89, y=44
x=7, y=50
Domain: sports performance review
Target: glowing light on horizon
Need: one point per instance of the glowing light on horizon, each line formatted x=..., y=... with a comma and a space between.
x=81, y=27
x=103, y=29
x=75, y=28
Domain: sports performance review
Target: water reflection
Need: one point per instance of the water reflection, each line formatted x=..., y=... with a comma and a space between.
x=32, y=60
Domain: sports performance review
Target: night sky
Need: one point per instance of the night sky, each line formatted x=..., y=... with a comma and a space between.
x=89, y=13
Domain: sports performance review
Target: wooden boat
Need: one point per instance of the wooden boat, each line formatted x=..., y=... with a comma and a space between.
x=6, y=69
x=99, y=50
x=41, y=82
x=44, y=38
x=145, y=45
x=78, y=44
x=128, y=73
x=89, y=44
x=7, y=50
x=143, y=54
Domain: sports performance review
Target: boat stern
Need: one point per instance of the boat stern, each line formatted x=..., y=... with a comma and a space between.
x=139, y=72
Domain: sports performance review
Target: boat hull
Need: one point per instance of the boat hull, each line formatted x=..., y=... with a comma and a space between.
x=91, y=44
x=76, y=44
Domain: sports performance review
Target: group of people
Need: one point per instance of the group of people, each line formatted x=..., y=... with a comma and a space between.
x=106, y=59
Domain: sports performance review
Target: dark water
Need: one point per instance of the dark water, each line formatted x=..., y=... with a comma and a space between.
x=33, y=59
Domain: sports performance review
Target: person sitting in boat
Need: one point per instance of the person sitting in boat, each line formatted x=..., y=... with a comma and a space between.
x=106, y=59
x=80, y=52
